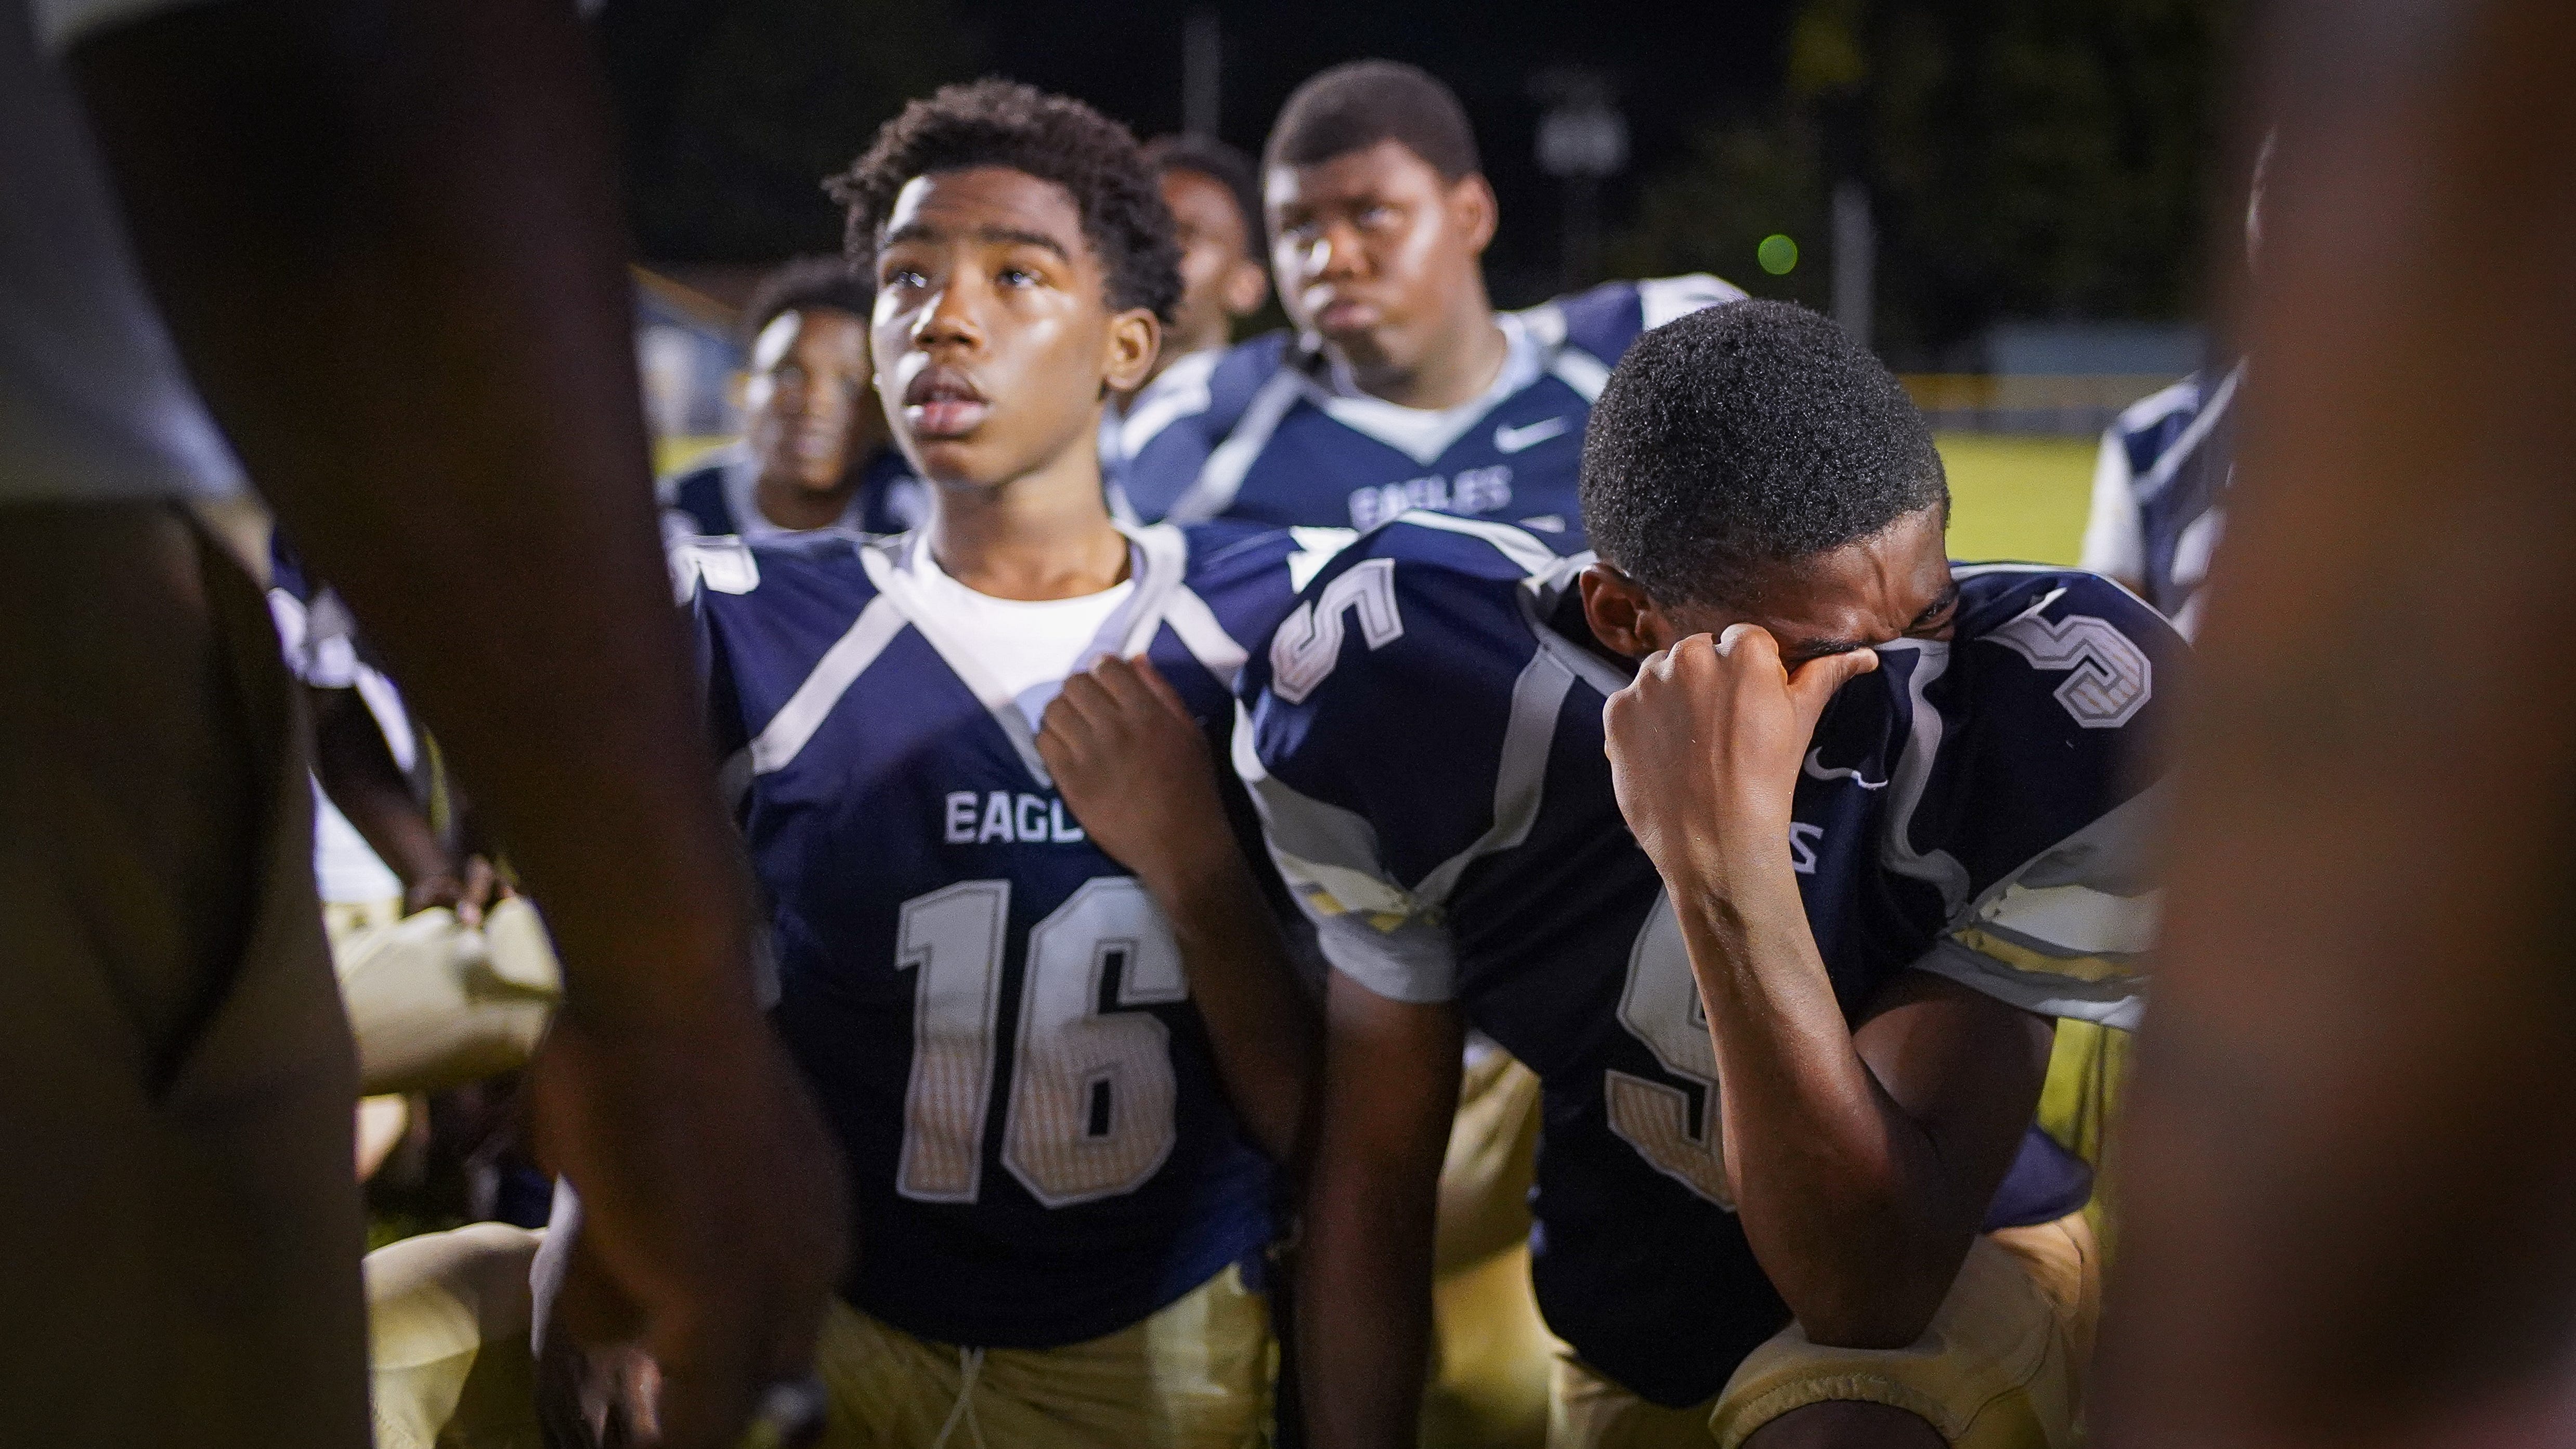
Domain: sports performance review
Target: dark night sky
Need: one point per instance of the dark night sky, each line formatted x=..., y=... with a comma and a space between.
x=733, y=108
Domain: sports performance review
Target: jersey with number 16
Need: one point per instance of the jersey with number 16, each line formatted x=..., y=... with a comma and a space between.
x=992, y=1011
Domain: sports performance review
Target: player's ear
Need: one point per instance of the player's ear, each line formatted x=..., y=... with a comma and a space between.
x=1622, y=617
x=738, y=392
x=1135, y=337
x=1475, y=211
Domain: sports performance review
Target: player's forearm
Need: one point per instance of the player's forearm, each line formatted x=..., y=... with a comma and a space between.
x=486, y=510
x=1833, y=1182
x=2348, y=1142
x=1261, y=1025
x=1364, y=1304
x=359, y=774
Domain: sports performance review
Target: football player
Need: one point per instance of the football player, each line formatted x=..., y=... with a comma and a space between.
x=1402, y=387
x=814, y=451
x=2161, y=482
x=1784, y=957
x=1214, y=192
x=1038, y=989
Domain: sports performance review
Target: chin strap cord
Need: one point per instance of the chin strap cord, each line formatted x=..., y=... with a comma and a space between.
x=970, y=1367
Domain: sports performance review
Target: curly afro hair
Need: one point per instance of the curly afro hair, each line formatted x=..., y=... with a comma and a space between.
x=801, y=285
x=1055, y=138
x=1748, y=434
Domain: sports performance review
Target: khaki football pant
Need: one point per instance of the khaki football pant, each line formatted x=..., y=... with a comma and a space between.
x=2002, y=1366
x=175, y=1151
x=1491, y=1352
x=1197, y=1374
x=448, y=1322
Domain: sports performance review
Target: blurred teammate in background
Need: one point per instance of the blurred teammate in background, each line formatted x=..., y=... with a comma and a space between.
x=2160, y=487
x=1401, y=387
x=814, y=450
x=1784, y=1217
x=378, y=855
x=383, y=241
x=1214, y=193
x=1029, y=970
x=2352, y=1144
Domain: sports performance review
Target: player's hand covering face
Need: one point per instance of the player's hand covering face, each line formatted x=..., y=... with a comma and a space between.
x=1705, y=744
x=1714, y=728
x=1374, y=249
x=807, y=397
x=993, y=334
x=1135, y=769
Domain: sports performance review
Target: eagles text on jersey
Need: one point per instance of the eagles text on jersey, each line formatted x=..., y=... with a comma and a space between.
x=1424, y=740
x=1268, y=434
x=991, y=1011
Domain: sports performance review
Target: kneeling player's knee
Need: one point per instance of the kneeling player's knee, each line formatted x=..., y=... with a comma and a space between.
x=1845, y=1424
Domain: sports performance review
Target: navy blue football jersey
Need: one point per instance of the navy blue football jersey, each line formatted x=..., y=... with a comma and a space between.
x=714, y=497
x=1272, y=433
x=1424, y=740
x=2160, y=492
x=991, y=1011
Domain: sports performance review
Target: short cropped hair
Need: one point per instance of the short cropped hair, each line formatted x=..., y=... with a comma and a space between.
x=1743, y=435
x=1054, y=138
x=804, y=283
x=1355, y=105
x=1218, y=162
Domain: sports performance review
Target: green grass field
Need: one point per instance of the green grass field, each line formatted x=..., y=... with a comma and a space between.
x=2015, y=497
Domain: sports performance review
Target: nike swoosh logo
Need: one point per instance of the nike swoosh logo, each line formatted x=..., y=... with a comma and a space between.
x=1513, y=440
x=1818, y=770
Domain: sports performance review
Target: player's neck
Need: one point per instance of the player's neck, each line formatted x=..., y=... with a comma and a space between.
x=789, y=504
x=1177, y=346
x=1462, y=361
x=1043, y=535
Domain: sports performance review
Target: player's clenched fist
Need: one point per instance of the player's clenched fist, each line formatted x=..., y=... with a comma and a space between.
x=1704, y=746
x=710, y=1229
x=1134, y=769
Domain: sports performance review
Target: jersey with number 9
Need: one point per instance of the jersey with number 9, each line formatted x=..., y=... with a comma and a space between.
x=1424, y=740
x=991, y=1010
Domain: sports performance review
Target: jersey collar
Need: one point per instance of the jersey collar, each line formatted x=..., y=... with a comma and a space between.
x=1157, y=558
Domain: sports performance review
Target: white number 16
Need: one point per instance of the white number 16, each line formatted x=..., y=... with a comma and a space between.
x=1091, y=1091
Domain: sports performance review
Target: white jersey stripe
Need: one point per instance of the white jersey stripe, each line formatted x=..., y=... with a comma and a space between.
x=1913, y=774
x=2161, y=476
x=886, y=571
x=840, y=667
x=1221, y=477
x=1520, y=776
x=1581, y=371
x=1525, y=551
x=1196, y=626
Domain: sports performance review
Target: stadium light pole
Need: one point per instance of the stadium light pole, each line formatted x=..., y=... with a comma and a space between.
x=1855, y=259
x=1582, y=141
x=1202, y=68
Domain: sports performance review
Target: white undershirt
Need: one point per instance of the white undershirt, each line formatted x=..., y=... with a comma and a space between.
x=1027, y=646
x=1426, y=433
